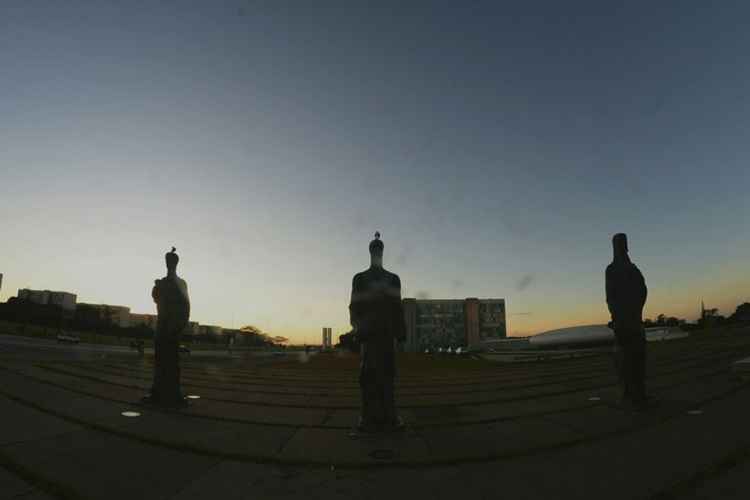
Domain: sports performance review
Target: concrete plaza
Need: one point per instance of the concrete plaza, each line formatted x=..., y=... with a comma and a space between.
x=267, y=427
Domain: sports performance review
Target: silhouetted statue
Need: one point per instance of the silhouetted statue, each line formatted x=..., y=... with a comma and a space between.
x=626, y=296
x=173, y=307
x=377, y=318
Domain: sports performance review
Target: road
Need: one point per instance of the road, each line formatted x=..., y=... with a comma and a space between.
x=37, y=349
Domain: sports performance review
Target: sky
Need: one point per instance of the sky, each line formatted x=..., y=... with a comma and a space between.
x=497, y=146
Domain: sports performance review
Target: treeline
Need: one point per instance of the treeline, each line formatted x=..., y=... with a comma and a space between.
x=711, y=317
x=662, y=320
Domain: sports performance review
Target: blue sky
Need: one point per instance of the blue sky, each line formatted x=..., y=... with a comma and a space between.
x=496, y=147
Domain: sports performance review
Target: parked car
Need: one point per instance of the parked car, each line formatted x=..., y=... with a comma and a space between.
x=68, y=338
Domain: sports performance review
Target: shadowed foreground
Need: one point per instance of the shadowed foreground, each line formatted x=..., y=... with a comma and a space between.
x=282, y=427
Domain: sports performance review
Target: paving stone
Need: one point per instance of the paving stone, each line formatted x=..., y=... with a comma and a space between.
x=741, y=366
x=100, y=465
x=12, y=486
x=331, y=446
x=60, y=401
x=499, y=439
x=221, y=438
x=230, y=480
x=20, y=423
x=729, y=485
x=607, y=453
x=274, y=415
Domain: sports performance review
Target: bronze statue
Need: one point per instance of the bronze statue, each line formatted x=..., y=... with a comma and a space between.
x=173, y=308
x=377, y=318
x=626, y=295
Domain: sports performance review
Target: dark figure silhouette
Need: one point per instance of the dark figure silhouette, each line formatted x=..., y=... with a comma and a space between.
x=173, y=307
x=377, y=318
x=626, y=296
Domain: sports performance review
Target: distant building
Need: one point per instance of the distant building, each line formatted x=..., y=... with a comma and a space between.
x=452, y=322
x=327, y=338
x=40, y=297
x=147, y=320
x=116, y=315
x=232, y=335
x=192, y=328
x=491, y=319
x=211, y=330
x=65, y=300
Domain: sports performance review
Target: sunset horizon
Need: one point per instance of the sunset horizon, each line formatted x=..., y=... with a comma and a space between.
x=495, y=151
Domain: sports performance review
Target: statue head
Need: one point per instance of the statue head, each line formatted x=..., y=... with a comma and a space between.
x=376, y=250
x=620, y=247
x=172, y=259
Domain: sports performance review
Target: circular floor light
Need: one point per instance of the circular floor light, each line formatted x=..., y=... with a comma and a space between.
x=595, y=398
x=695, y=412
x=193, y=396
x=130, y=414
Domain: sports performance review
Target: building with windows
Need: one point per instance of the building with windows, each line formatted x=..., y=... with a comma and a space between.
x=210, y=330
x=64, y=300
x=431, y=324
x=192, y=328
x=105, y=314
x=147, y=320
x=100, y=315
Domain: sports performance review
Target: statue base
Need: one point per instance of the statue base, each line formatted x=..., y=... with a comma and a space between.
x=365, y=428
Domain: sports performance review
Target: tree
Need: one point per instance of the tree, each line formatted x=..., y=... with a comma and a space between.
x=252, y=335
x=672, y=321
x=349, y=342
x=710, y=318
x=742, y=313
x=251, y=330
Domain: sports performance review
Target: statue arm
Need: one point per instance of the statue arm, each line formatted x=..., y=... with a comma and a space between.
x=187, y=299
x=400, y=330
x=187, y=308
x=644, y=289
x=609, y=287
x=352, y=314
x=355, y=310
